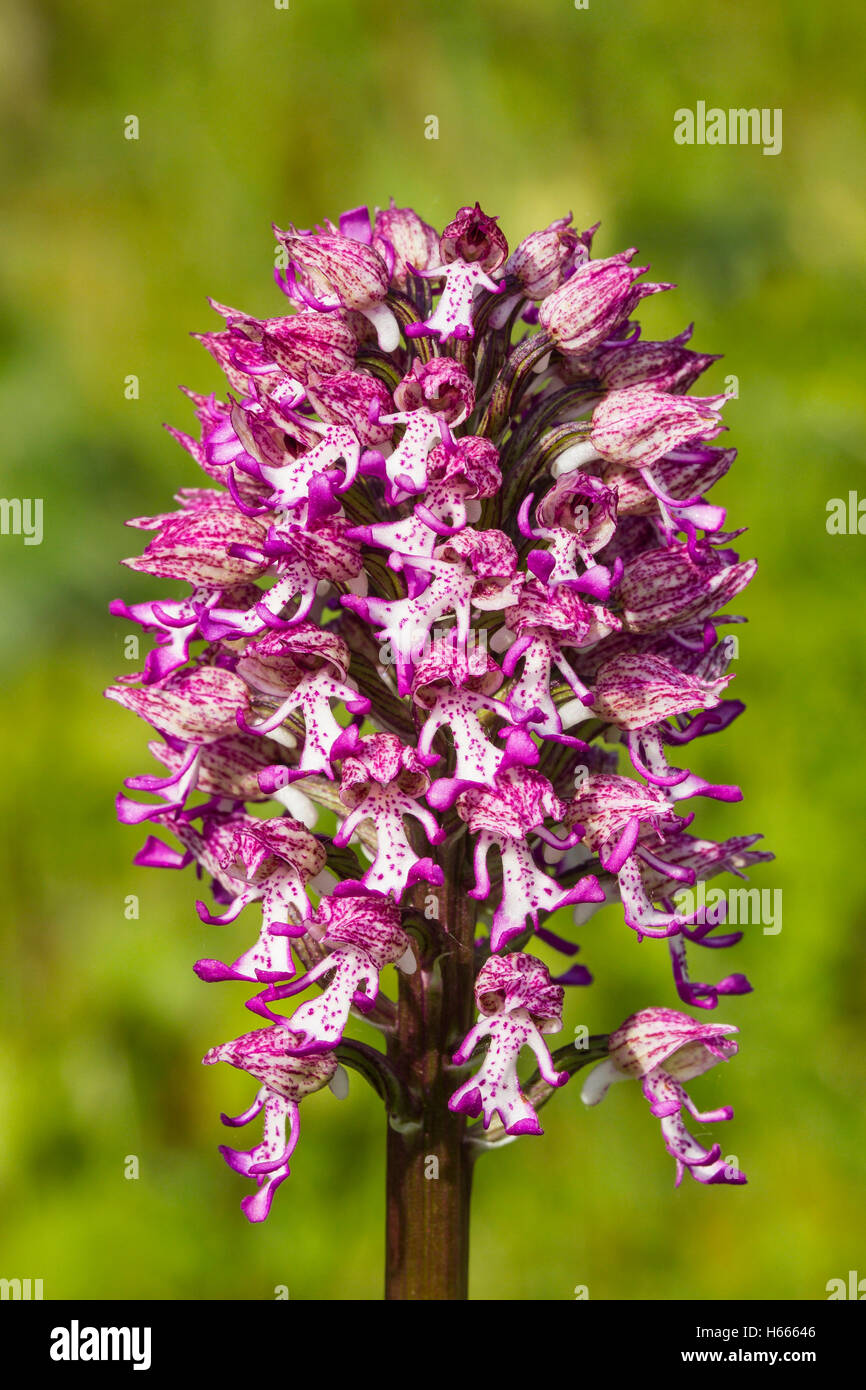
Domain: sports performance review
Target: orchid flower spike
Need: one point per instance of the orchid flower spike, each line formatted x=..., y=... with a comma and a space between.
x=448, y=629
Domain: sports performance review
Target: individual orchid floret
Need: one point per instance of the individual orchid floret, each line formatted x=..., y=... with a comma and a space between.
x=198, y=543
x=621, y=820
x=638, y=693
x=594, y=303
x=493, y=559
x=518, y=1002
x=641, y=424
x=190, y=709
x=669, y=589
x=544, y=260
x=502, y=816
x=539, y=265
x=472, y=246
x=306, y=670
x=545, y=622
x=286, y=1079
x=457, y=687
x=490, y=553
x=361, y=934
x=662, y=1049
x=339, y=271
x=381, y=782
x=458, y=475
x=412, y=243
x=577, y=518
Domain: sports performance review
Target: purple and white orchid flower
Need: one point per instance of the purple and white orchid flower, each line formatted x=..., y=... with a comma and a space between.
x=518, y=1002
x=286, y=1078
x=454, y=591
x=662, y=1049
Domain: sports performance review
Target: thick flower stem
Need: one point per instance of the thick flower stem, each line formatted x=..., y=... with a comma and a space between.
x=428, y=1166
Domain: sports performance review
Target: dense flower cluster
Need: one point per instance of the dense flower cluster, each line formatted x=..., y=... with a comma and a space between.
x=451, y=556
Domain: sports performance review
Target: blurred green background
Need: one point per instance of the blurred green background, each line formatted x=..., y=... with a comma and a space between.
x=249, y=114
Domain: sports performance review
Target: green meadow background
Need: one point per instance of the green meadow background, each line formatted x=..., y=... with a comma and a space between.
x=251, y=114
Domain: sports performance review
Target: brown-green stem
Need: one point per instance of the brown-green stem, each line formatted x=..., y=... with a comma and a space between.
x=428, y=1165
